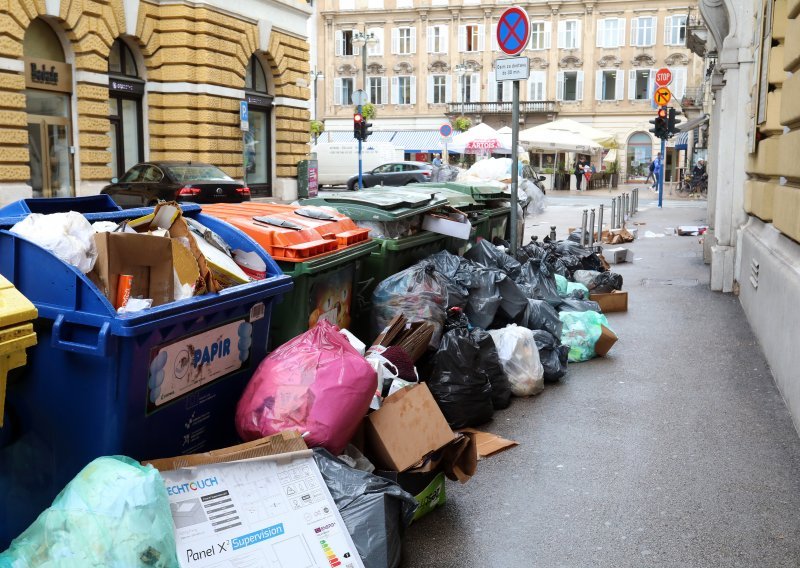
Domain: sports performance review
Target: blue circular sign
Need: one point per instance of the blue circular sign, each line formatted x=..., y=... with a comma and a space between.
x=513, y=31
x=445, y=130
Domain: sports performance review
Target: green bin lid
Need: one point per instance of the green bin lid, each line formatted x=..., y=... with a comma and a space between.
x=456, y=199
x=478, y=191
x=389, y=204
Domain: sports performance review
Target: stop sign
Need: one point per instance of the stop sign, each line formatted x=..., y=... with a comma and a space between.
x=663, y=77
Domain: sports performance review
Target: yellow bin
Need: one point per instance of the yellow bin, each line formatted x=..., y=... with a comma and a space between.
x=16, y=333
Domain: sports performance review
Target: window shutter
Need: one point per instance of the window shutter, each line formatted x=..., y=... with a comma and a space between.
x=632, y=84
x=541, y=81
x=395, y=91
x=562, y=34
x=413, y=40
x=337, y=91
x=492, y=87
x=507, y=94
x=462, y=39
x=443, y=38
x=475, y=89
x=384, y=90
x=460, y=88
x=601, y=33
x=448, y=95
x=495, y=45
x=621, y=33
x=620, y=85
x=431, y=32
x=547, y=35
x=356, y=49
x=668, y=30
x=651, y=87
x=598, y=85
x=430, y=89
x=395, y=41
x=579, y=86
x=339, y=42
x=634, y=31
x=560, y=86
x=413, y=90
x=481, y=37
x=578, y=34
x=679, y=82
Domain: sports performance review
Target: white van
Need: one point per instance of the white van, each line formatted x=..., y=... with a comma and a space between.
x=338, y=161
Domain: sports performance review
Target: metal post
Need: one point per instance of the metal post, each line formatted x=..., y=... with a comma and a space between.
x=360, y=161
x=636, y=200
x=620, y=216
x=600, y=225
x=552, y=232
x=514, y=165
x=613, y=223
x=583, y=227
x=625, y=207
x=661, y=174
x=591, y=228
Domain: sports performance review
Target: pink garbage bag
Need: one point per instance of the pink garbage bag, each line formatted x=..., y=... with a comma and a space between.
x=316, y=383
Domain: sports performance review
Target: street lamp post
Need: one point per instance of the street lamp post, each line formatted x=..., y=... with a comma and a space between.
x=362, y=40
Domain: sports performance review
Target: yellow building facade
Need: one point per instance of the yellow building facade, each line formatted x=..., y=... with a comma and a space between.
x=89, y=88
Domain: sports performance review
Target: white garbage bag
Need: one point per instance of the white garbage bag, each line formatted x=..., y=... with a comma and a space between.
x=69, y=236
x=516, y=348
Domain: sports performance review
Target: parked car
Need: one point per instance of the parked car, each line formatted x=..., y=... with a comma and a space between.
x=394, y=173
x=147, y=183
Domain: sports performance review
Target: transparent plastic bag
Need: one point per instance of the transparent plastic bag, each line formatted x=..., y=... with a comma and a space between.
x=581, y=332
x=519, y=356
x=115, y=512
x=69, y=236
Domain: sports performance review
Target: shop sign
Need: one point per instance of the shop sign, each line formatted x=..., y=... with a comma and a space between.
x=256, y=100
x=48, y=75
x=121, y=86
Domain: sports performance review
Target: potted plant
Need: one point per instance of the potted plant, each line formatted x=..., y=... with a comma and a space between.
x=462, y=124
x=368, y=111
x=613, y=171
x=316, y=128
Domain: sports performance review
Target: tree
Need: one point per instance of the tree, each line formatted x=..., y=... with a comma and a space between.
x=368, y=111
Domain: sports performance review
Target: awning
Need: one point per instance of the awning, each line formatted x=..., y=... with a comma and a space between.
x=682, y=142
x=694, y=123
x=347, y=136
x=418, y=140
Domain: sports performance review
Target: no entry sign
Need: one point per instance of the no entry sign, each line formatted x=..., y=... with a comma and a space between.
x=513, y=31
x=663, y=77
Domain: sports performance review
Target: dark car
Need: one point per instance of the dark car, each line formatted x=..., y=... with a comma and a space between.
x=394, y=173
x=147, y=183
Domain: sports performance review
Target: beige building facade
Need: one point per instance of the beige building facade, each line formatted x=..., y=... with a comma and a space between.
x=592, y=61
x=87, y=89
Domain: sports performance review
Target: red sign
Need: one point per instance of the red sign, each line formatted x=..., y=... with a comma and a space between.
x=313, y=185
x=663, y=77
x=479, y=146
x=513, y=31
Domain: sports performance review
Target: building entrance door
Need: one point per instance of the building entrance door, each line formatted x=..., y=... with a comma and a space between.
x=51, y=161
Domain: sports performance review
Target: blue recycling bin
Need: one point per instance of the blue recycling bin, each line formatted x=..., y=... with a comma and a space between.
x=161, y=382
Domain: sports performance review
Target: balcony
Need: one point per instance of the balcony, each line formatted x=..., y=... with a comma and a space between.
x=697, y=36
x=525, y=107
x=693, y=98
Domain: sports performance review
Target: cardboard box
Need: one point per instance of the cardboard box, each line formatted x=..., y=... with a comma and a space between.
x=618, y=255
x=406, y=429
x=450, y=222
x=616, y=301
x=145, y=257
x=607, y=340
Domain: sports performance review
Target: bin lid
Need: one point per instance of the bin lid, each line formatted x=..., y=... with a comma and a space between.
x=387, y=204
x=456, y=199
x=479, y=191
x=14, y=307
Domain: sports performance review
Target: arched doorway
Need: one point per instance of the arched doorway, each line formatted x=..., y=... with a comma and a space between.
x=258, y=140
x=125, y=93
x=639, y=155
x=48, y=94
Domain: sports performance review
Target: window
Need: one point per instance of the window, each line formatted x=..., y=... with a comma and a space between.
x=469, y=89
x=609, y=85
x=470, y=38
x=643, y=31
x=344, y=42
x=675, y=30
x=347, y=4
x=537, y=86
x=611, y=32
x=375, y=47
x=499, y=91
x=375, y=4
x=125, y=90
x=640, y=84
x=378, y=90
x=404, y=90
x=438, y=89
x=569, y=34
x=404, y=41
x=405, y=3
x=342, y=90
x=437, y=39
x=570, y=86
x=540, y=35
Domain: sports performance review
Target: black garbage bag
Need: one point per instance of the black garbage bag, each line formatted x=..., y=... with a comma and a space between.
x=552, y=354
x=488, y=255
x=592, y=262
x=537, y=282
x=607, y=282
x=541, y=315
x=484, y=296
x=462, y=392
x=533, y=250
x=456, y=319
x=572, y=305
x=375, y=510
x=557, y=266
x=586, y=277
x=456, y=274
x=513, y=301
x=489, y=364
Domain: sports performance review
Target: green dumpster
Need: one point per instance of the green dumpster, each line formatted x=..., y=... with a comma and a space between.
x=389, y=206
x=491, y=197
x=307, y=178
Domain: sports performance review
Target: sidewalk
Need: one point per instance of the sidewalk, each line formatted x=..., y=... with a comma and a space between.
x=644, y=188
x=674, y=451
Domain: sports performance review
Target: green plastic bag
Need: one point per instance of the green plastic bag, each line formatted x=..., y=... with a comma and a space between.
x=114, y=513
x=561, y=285
x=580, y=331
x=573, y=286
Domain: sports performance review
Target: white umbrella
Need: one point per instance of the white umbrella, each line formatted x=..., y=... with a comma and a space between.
x=611, y=156
x=553, y=140
x=479, y=139
x=605, y=139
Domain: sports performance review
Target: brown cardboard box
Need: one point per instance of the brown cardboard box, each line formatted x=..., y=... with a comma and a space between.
x=407, y=428
x=616, y=301
x=607, y=340
x=488, y=444
x=145, y=257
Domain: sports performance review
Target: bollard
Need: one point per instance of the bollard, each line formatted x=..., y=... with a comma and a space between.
x=552, y=232
x=636, y=201
x=612, y=224
x=619, y=212
x=625, y=212
x=600, y=225
x=583, y=228
x=590, y=236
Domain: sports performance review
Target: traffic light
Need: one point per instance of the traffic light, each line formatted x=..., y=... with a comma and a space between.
x=673, y=121
x=365, y=131
x=659, y=123
x=358, y=126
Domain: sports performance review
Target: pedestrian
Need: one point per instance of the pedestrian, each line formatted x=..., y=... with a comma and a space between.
x=657, y=167
x=587, y=173
x=578, y=171
x=650, y=174
x=437, y=160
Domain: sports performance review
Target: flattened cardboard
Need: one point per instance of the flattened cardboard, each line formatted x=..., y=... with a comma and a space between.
x=185, y=265
x=616, y=301
x=147, y=258
x=450, y=222
x=607, y=340
x=488, y=444
x=406, y=429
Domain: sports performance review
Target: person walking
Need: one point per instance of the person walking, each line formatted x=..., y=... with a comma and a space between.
x=658, y=166
x=650, y=169
x=437, y=161
x=578, y=171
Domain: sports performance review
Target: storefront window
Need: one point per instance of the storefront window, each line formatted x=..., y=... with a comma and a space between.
x=126, y=90
x=639, y=156
x=258, y=140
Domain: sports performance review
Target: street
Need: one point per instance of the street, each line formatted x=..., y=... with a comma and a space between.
x=675, y=450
